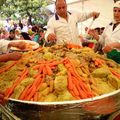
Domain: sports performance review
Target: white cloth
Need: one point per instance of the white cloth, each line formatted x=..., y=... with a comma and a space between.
x=109, y=35
x=4, y=46
x=117, y=4
x=25, y=29
x=66, y=31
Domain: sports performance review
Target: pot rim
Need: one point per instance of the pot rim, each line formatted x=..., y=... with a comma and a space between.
x=67, y=102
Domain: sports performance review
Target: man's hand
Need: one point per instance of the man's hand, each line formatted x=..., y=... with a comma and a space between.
x=111, y=46
x=14, y=56
x=95, y=15
x=107, y=48
x=51, y=37
x=21, y=45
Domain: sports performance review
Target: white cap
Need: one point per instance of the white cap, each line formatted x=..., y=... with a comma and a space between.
x=117, y=4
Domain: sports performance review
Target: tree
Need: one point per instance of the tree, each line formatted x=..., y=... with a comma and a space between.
x=23, y=8
x=2, y=2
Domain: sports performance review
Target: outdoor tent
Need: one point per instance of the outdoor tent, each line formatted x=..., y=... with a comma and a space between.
x=105, y=7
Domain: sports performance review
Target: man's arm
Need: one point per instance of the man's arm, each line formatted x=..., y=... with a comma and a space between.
x=84, y=16
x=5, y=45
x=50, y=35
x=10, y=56
x=111, y=46
x=21, y=45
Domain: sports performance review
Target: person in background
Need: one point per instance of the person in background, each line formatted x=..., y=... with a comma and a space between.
x=97, y=30
x=110, y=38
x=35, y=36
x=38, y=35
x=25, y=36
x=101, y=30
x=20, y=25
x=17, y=34
x=12, y=35
x=41, y=38
x=62, y=27
x=4, y=34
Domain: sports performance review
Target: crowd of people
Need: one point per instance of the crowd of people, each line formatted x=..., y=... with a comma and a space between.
x=62, y=27
x=23, y=32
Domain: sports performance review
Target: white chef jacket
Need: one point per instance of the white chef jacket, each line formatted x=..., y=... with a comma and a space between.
x=66, y=30
x=4, y=46
x=109, y=35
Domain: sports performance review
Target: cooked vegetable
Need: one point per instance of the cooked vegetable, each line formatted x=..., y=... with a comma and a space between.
x=58, y=73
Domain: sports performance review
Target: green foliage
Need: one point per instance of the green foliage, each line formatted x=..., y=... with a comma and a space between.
x=23, y=8
x=2, y=2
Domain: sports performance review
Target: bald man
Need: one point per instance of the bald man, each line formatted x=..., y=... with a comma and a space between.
x=62, y=27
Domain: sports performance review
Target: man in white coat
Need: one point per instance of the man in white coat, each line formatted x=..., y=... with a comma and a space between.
x=110, y=39
x=62, y=27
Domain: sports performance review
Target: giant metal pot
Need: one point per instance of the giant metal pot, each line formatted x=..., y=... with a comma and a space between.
x=86, y=109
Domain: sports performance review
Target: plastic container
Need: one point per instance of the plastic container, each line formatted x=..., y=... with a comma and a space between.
x=114, y=55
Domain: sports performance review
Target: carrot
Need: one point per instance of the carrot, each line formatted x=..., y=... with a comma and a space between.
x=67, y=65
x=99, y=62
x=37, y=67
x=42, y=62
x=39, y=82
x=32, y=99
x=35, y=83
x=39, y=49
x=37, y=79
x=51, y=60
x=33, y=90
x=96, y=63
x=72, y=93
x=75, y=81
x=78, y=82
x=70, y=45
x=72, y=72
x=82, y=94
x=54, y=63
x=70, y=84
x=41, y=68
x=73, y=68
x=44, y=70
x=35, y=76
x=51, y=85
x=75, y=90
x=83, y=86
x=8, y=67
x=53, y=67
x=7, y=90
x=22, y=96
x=18, y=80
x=36, y=96
x=115, y=73
x=48, y=70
